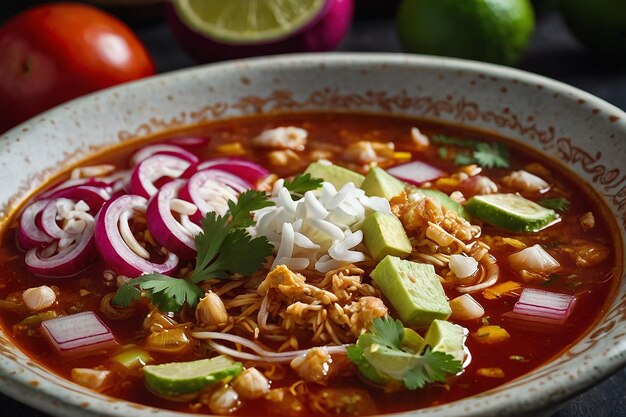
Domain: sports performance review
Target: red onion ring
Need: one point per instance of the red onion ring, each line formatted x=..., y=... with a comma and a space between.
x=153, y=168
x=211, y=189
x=190, y=142
x=162, y=149
x=29, y=234
x=164, y=227
x=66, y=262
x=94, y=196
x=247, y=170
x=112, y=247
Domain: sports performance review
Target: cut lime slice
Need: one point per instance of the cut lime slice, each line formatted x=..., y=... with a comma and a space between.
x=511, y=212
x=249, y=21
x=171, y=379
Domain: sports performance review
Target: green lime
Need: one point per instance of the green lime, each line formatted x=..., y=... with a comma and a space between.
x=511, y=212
x=237, y=21
x=598, y=24
x=172, y=379
x=485, y=30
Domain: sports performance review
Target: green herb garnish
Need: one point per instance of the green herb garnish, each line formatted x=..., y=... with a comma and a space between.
x=301, y=184
x=223, y=248
x=485, y=154
x=558, y=204
x=385, y=343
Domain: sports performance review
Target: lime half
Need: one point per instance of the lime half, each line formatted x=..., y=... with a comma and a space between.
x=250, y=21
x=172, y=379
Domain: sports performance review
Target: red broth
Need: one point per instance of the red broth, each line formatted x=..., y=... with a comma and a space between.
x=528, y=347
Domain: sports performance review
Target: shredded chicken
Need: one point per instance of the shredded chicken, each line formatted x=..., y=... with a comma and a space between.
x=343, y=401
x=586, y=253
x=283, y=158
x=587, y=221
x=314, y=366
x=290, y=137
x=366, y=152
x=524, y=181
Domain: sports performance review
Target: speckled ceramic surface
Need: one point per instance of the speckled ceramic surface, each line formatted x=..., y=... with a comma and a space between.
x=576, y=129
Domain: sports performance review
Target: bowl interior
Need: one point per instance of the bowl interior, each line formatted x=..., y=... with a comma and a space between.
x=575, y=129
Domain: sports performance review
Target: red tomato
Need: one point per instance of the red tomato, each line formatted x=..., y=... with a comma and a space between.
x=55, y=52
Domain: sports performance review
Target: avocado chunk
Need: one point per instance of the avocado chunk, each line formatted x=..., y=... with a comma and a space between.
x=384, y=235
x=443, y=199
x=446, y=337
x=334, y=174
x=378, y=183
x=413, y=289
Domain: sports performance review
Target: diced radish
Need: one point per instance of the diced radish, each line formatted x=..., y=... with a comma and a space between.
x=416, y=172
x=79, y=334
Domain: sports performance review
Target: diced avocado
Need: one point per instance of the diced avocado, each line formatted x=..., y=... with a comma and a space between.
x=446, y=337
x=378, y=183
x=511, y=212
x=443, y=199
x=334, y=174
x=384, y=235
x=179, y=378
x=413, y=289
x=132, y=357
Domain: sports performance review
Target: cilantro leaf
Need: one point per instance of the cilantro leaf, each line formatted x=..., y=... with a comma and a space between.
x=558, y=204
x=223, y=248
x=432, y=367
x=247, y=202
x=492, y=155
x=452, y=140
x=485, y=154
x=462, y=158
x=301, y=184
x=383, y=347
x=216, y=229
x=240, y=253
x=388, y=332
x=166, y=293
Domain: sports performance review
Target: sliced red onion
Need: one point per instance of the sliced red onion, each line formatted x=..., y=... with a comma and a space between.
x=416, y=172
x=162, y=149
x=29, y=234
x=94, y=196
x=78, y=334
x=211, y=189
x=54, y=261
x=247, y=170
x=59, y=209
x=153, y=168
x=165, y=228
x=111, y=222
x=544, y=306
x=76, y=182
x=190, y=142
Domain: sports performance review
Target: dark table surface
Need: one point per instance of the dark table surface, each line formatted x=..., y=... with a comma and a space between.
x=553, y=52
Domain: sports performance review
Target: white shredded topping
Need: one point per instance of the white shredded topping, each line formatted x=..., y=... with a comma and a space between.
x=318, y=231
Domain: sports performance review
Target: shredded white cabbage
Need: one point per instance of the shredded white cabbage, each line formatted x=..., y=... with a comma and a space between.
x=319, y=231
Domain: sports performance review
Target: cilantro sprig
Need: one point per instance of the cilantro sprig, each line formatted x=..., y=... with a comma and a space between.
x=223, y=248
x=301, y=184
x=558, y=204
x=385, y=340
x=485, y=154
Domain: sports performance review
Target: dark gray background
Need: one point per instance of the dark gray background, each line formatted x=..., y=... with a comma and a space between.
x=553, y=52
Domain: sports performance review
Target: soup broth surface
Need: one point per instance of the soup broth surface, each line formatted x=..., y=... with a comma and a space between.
x=345, y=140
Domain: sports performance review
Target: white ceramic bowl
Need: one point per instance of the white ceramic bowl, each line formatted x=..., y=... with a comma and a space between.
x=577, y=130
